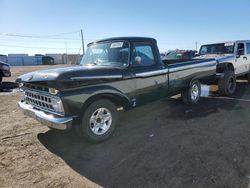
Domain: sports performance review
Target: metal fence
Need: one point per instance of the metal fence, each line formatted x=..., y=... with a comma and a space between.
x=24, y=60
x=19, y=60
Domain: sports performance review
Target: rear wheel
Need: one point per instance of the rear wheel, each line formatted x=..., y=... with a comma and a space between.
x=227, y=84
x=192, y=94
x=98, y=121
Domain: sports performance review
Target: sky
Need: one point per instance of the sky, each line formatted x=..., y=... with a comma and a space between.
x=53, y=26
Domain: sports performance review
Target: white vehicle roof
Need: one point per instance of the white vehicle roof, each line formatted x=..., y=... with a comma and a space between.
x=233, y=41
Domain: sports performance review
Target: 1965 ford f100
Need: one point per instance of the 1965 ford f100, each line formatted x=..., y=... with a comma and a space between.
x=117, y=72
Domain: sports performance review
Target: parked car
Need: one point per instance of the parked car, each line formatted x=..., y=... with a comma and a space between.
x=233, y=61
x=180, y=55
x=118, y=72
x=177, y=56
x=4, y=71
x=47, y=60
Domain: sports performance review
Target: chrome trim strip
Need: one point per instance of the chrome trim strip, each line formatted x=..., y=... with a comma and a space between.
x=49, y=120
x=175, y=69
x=96, y=77
x=152, y=73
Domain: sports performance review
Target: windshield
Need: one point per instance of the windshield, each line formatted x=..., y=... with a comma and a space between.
x=222, y=48
x=107, y=54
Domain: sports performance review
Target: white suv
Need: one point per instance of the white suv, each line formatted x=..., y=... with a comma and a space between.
x=233, y=60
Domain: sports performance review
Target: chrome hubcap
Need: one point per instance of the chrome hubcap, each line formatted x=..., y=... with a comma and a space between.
x=100, y=121
x=194, y=92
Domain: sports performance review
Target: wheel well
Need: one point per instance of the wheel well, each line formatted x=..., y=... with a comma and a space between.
x=116, y=99
x=224, y=67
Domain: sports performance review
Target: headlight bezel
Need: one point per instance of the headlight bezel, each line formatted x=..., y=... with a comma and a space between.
x=53, y=91
x=58, y=105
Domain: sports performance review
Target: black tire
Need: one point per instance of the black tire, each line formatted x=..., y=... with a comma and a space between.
x=227, y=84
x=188, y=96
x=1, y=79
x=248, y=78
x=84, y=129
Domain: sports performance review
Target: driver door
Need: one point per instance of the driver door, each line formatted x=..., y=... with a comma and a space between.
x=242, y=62
x=150, y=77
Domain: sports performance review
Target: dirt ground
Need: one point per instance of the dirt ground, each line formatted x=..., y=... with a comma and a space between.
x=161, y=144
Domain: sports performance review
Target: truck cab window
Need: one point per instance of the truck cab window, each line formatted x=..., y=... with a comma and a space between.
x=143, y=55
x=241, y=48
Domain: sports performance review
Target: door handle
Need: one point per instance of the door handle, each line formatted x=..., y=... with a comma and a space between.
x=245, y=57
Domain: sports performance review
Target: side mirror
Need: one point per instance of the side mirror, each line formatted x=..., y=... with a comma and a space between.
x=196, y=54
x=239, y=53
x=137, y=60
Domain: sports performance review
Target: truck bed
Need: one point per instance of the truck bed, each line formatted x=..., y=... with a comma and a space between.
x=181, y=73
x=173, y=61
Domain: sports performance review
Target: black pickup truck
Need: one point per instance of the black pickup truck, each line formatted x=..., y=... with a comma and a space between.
x=114, y=73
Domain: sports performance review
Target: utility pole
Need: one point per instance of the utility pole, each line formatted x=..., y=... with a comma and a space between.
x=83, y=52
x=66, y=58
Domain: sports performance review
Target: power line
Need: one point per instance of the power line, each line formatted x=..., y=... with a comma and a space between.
x=52, y=35
x=40, y=41
x=41, y=36
x=38, y=37
x=35, y=47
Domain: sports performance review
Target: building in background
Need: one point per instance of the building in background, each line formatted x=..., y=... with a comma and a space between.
x=72, y=59
x=40, y=59
x=4, y=58
x=23, y=59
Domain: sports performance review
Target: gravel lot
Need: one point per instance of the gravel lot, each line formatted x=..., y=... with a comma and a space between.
x=161, y=144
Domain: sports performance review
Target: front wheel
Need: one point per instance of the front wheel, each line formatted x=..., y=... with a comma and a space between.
x=98, y=121
x=227, y=84
x=192, y=94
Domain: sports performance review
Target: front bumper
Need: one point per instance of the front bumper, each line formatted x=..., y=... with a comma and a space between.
x=49, y=120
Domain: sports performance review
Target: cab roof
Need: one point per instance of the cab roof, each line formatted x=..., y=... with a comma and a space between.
x=232, y=41
x=129, y=39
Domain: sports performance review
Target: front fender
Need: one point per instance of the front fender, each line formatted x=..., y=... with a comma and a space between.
x=76, y=100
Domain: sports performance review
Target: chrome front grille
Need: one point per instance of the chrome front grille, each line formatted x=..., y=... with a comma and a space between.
x=42, y=100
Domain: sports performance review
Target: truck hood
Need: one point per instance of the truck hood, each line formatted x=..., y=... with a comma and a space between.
x=220, y=58
x=83, y=74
